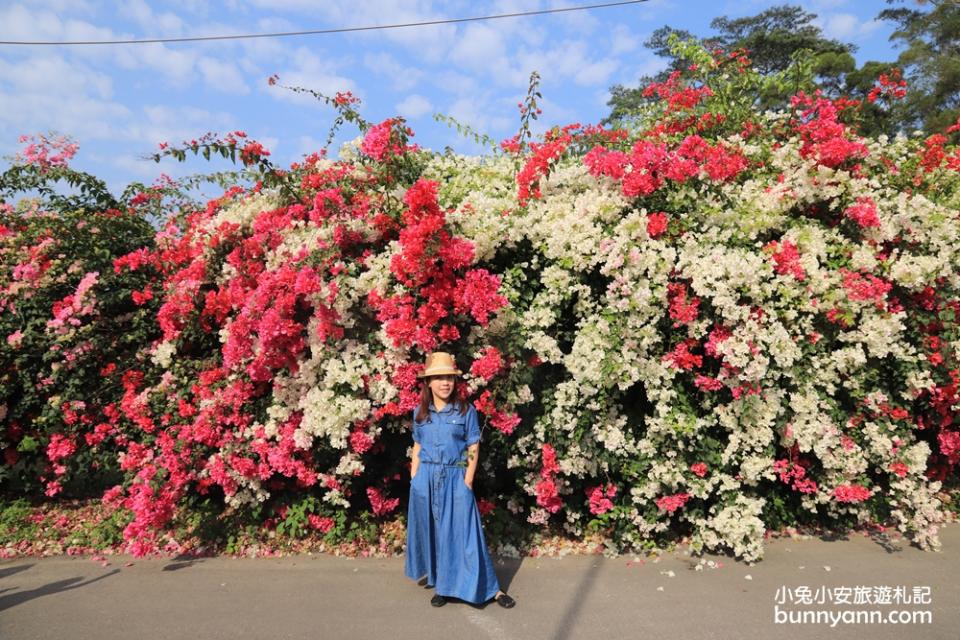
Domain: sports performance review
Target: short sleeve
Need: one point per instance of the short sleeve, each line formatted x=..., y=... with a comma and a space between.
x=416, y=428
x=473, y=426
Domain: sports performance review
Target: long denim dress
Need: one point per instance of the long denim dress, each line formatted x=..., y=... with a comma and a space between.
x=445, y=539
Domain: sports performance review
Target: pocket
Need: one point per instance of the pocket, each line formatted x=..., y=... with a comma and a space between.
x=458, y=427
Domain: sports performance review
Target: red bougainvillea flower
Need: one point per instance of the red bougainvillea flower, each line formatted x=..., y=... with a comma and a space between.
x=864, y=213
x=488, y=365
x=890, y=86
x=546, y=489
x=681, y=358
x=670, y=504
x=865, y=286
x=851, y=493
x=542, y=155
x=786, y=259
x=656, y=224
x=699, y=469
x=825, y=139
x=321, y=523
x=485, y=506
x=707, y=383
x=682, y=309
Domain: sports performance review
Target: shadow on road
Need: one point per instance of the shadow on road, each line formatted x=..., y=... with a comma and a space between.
x=182, y=562
x=506, y=571
x=577, y=600
x=12, y=600
x=9, y=571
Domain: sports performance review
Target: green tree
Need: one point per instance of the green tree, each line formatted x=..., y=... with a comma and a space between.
x=772, y=38
x=930, y=62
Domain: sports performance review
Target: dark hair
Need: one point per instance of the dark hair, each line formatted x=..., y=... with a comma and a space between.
x=426, y=398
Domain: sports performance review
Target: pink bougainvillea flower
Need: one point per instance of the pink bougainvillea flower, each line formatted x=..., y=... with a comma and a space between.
x=599, y=498
x=379, y=504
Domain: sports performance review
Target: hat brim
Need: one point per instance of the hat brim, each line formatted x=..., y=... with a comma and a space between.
x=440, y=372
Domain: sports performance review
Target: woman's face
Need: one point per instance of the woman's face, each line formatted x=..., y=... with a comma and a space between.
x=442, y=386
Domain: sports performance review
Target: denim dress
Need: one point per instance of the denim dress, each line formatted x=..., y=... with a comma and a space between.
x=445, y=540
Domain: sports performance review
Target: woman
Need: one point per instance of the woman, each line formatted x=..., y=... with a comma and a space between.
x=445, y=540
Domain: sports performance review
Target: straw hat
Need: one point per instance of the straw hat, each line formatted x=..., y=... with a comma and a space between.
x=440, y=364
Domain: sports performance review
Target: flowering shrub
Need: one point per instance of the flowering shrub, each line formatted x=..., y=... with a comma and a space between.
x=70, y=326
x=716, y=323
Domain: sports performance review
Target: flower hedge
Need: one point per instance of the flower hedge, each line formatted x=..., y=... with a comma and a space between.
x=712, y=322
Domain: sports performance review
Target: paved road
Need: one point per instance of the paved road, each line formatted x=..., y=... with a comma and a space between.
x=320, y=597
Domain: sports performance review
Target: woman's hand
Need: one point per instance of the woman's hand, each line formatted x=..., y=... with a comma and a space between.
x=414, y=460
x=473, y=456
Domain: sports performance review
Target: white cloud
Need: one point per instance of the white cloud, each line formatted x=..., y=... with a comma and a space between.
x=645, y=64
x=142, y=168
x=402, y=78
x=623, y=40
x=21, y=23
x=554, y=113
x=63, y=6
x=173, y=124
x=566, y=60
x=222, y=76
x=601, y=99
x=270, y=143
x=174, y=64
x=199, y=7
x=840, y=25
x=54, y=76
x=481, y=114
x=180, y=66
x=168, y=24
x=455, y=82
x=479, y=48
x=580, y=21
x=870, y=26
x=845, y=26
x=310, y=71
x=596, y=72
x=429, y=43
x=414, y=106
x=82, y=117
x=829, y=4
x=308, y=144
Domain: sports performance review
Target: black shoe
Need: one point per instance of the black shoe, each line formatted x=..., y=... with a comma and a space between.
x=505, y=601
x=438, y=600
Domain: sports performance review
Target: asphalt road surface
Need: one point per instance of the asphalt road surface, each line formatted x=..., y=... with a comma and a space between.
x=834, y=583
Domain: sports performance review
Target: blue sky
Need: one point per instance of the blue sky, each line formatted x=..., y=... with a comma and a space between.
x=120, y=101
